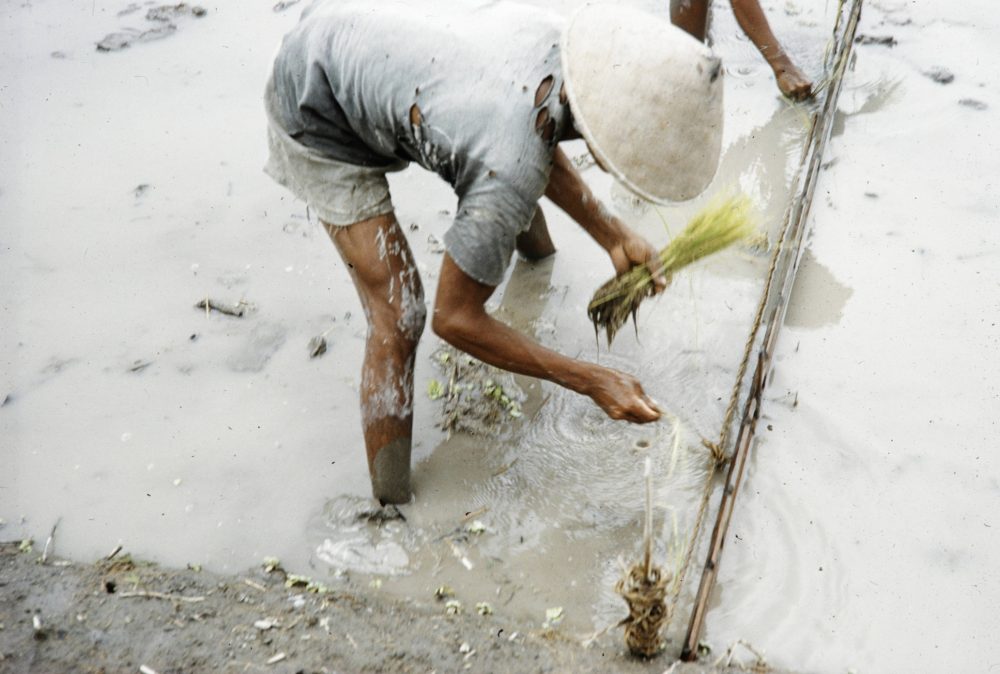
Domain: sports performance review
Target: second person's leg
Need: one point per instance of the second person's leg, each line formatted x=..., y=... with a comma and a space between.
x=535, y=243
x=691, y=15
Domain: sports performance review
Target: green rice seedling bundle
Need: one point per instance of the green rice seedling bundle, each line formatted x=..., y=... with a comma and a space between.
x=719, y=225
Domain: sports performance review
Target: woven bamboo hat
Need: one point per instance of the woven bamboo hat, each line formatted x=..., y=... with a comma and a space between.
x=647, y=97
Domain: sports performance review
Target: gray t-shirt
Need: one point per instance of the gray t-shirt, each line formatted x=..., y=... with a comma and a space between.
x=470, y=90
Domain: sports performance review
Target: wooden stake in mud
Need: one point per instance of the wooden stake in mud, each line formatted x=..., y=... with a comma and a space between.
x=776, y=300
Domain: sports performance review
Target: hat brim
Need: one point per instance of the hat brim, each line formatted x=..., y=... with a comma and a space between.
x=647, y=98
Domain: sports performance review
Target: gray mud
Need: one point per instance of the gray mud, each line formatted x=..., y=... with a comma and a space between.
x=86, y=618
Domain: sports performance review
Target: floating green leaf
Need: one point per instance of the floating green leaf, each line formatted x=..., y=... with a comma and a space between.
x=435, y=389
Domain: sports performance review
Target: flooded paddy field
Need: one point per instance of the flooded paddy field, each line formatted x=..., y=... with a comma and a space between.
x=132, y=189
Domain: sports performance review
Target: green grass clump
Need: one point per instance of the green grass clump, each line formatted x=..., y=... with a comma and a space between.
x=719, y=225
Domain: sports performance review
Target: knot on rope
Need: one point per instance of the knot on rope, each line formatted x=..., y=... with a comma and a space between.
x=719, y=456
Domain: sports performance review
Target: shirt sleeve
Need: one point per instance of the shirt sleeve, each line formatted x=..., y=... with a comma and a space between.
x=490, y=216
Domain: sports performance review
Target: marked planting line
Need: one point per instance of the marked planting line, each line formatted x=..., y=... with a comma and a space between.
x=774, y=303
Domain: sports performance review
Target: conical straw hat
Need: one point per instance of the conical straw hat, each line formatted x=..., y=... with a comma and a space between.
x=647, y=97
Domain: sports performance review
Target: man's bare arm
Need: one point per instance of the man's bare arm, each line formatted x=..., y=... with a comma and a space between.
x=754, y=23
x=568, y=191
x=460, y=319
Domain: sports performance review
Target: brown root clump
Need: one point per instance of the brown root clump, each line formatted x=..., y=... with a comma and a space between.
x=645, y=593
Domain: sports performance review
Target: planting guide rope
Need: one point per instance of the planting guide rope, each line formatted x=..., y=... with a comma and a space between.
x=786, y=255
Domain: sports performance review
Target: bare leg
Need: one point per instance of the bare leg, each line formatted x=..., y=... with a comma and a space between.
x=535, y=243
x=387, y=281
x=690, y=15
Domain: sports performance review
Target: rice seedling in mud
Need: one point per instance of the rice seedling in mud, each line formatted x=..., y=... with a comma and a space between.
x=722, y=223
x=644, y=589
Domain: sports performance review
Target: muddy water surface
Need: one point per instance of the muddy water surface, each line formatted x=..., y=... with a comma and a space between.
x=203, y=438
x=131, y=189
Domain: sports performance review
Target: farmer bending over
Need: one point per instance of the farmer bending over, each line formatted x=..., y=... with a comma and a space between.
x=481, y=94
x=692, y=16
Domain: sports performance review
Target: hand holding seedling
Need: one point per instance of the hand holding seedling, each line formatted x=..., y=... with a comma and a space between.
x=633, y=251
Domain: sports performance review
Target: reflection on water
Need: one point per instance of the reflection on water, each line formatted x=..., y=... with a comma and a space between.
x=818, y=298
x=865, y=97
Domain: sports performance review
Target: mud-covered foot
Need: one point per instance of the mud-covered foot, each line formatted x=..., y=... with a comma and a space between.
x=390, y=472
x=378, y=516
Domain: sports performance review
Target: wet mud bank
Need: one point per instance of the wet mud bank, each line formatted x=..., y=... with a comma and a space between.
x=123, y=615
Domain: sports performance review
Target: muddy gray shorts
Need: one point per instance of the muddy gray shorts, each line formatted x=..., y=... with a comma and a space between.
x=339, y=193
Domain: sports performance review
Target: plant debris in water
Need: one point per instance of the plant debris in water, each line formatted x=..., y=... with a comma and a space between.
x=474, y=397
x=444, y=592
x=239, y=310
x=317, y=346
x=553, y=616
x=162, y=18
x=719, y=225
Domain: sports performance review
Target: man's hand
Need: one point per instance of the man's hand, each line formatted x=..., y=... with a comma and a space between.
x=633, y=250
x=792, y=82
x=621, y=396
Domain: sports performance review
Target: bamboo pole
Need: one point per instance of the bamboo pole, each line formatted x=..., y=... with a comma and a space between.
x=819, y=134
